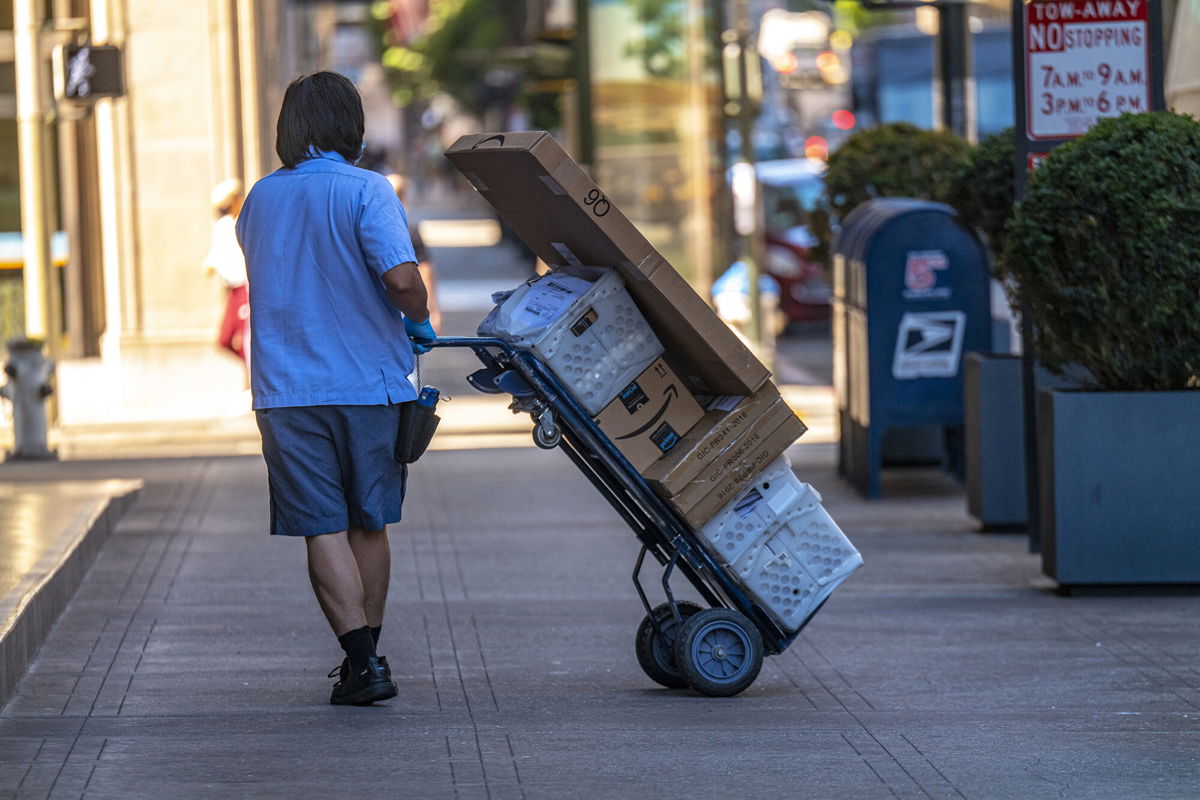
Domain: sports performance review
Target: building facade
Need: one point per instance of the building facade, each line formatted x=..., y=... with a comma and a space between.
x=129, y=179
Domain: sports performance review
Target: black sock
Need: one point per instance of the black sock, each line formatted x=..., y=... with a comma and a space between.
x=375, y=635
x=358, y=646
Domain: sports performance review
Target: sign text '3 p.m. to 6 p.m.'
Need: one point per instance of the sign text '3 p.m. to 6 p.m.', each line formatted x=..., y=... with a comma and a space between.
x=1085, y=59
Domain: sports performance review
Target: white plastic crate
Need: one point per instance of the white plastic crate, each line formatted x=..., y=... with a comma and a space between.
x=584, y=325
x=781, y=545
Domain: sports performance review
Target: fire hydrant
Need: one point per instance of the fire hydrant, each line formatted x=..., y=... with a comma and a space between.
x=30, y=381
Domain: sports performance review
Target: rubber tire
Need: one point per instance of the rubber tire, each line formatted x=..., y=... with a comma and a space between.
x=546, y=442
x=655, y=659
x=734, y=670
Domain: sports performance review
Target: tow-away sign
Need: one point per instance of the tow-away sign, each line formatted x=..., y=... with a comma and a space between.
x=1084, y=59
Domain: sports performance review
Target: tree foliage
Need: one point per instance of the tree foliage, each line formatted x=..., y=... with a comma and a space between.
x=661, y=47
x=896, y=159
x=984, y=192
x=1105, y=253
x=453, y=54
x=462, y=49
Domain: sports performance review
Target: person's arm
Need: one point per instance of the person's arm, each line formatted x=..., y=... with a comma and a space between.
x=406, y=291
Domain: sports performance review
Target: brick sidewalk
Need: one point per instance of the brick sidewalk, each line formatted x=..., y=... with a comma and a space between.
x=192, y=660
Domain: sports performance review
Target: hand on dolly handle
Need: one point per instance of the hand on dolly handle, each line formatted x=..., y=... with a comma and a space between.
x=419, y=334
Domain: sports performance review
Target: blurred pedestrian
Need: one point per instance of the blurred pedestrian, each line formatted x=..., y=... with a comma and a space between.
x=226, y=260
x=338, y=308
x=424, y=259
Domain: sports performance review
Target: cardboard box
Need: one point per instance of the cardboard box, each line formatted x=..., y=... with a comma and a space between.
x=650, y=416
x=552, y=204
x=711, y=440
x=750, y=453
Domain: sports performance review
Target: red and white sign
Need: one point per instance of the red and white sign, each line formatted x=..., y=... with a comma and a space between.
x=1084, y=59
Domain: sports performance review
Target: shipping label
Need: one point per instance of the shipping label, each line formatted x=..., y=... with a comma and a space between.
x=550, y=298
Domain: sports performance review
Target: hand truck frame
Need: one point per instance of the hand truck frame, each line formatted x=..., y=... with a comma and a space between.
x=716, y=651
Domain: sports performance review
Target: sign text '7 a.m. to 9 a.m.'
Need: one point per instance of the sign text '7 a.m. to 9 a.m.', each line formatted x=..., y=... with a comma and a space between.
x=1085, y=59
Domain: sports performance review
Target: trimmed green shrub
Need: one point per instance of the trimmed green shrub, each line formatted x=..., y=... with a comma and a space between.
x=892, y=160
x=1105, y=252
x=984, y=194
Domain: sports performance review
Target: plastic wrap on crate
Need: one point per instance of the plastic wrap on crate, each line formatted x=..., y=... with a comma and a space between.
x=524, y=314
x=752, y=511
x=586, y=328
x=781, y=545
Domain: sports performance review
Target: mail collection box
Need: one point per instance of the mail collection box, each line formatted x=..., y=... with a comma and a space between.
x=584, y=325
x=552, y=204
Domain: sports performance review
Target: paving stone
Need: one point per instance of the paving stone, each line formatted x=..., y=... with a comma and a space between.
x=191, y=661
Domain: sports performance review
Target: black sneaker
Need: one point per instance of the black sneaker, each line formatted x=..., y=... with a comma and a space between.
x=342, y=671
x=360, y=688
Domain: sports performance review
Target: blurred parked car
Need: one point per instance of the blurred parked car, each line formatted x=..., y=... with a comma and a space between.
x=731, y=299
x=791, y=189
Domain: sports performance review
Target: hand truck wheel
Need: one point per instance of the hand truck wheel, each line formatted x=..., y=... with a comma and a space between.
x=655, y=656
x=546, y=432
x=719, y=652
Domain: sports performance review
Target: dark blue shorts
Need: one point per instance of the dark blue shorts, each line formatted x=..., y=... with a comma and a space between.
x=331, y=468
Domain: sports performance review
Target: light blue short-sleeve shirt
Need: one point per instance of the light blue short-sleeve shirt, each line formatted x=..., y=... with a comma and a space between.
x=318, y=238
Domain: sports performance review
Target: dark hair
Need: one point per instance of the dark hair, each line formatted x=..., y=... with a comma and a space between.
x=321, y=110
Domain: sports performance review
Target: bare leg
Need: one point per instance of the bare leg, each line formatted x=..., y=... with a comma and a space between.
x=374, y=559
x=335, y=580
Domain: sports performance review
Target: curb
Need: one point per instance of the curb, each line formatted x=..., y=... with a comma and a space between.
x=25, y=630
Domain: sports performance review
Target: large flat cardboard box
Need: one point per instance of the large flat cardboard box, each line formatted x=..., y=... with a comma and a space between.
x=650, y=416
x=751, y=452
x=698, y=457
x=552, y=204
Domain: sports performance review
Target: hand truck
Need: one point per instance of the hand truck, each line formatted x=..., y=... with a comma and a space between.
x=716, y=651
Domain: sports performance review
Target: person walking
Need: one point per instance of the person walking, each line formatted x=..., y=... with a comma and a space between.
x=338, y=310
x=225, y=259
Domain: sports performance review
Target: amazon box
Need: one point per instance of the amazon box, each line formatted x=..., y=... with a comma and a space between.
x=758, y=445
x=565, y=218
x=650, y=416
x=701, y=456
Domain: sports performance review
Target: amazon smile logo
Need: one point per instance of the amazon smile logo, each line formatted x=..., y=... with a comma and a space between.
x=670, y=393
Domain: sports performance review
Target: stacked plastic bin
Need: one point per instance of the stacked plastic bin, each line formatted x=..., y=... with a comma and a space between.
x=593, y=336
x=785, y=549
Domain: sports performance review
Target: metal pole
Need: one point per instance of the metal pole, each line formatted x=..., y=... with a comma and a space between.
x=581, y=69
x=41, y=311
x=752, y=243
x=956, y=70
x=1033, y=486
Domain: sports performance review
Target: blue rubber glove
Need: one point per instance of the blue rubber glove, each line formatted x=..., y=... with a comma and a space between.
x=419, y=334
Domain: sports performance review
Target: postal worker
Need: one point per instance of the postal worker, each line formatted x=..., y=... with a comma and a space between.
x=338, y=310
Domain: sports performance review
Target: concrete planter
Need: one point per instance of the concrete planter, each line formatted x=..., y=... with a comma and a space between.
x=994, y=438
x=994, y=441
x=1118, y=476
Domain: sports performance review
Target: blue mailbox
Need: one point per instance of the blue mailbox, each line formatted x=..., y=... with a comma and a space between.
x=910, y=298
